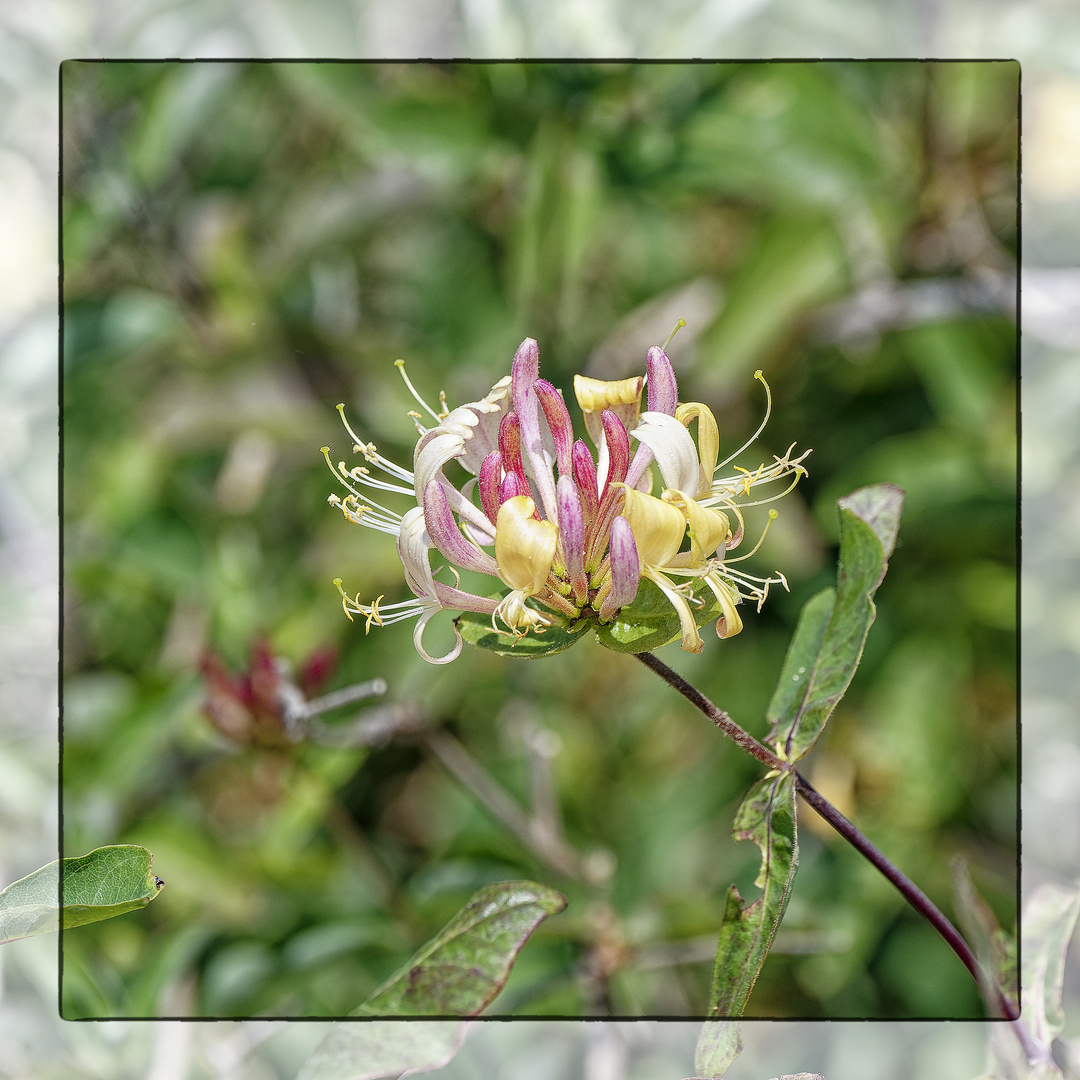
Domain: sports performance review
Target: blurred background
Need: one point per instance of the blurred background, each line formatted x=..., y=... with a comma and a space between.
x=34, y=39
x=245, y=245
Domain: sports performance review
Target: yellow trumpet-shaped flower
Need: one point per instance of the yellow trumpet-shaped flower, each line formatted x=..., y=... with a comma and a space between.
x=524, y=551
x=524, y=545
x=660, y=527
x=709, y=529
x=623, y=398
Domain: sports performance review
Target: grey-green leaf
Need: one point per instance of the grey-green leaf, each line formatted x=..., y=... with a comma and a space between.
x=378, y=1049
x=766, y=816
x=718, y=1045
x=1046, y=929
x=829, y=639
x=108, y=881
x=461, y=970
x=651, y=621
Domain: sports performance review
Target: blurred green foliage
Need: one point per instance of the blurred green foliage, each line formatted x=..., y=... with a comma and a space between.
x=245, y=245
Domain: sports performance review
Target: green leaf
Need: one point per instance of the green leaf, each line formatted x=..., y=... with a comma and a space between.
x=766, y=816
x=651, y=621
x=108, y=881
x=462, y=968
x=476, y=629
x=377, y=1049
x=829, y=639
x=718, y=1045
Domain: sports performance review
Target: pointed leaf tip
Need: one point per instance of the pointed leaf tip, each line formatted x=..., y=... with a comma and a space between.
x=461, y=970
x=880, y=506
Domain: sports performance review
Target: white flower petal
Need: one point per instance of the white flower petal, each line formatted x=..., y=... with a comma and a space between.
x=673, y=448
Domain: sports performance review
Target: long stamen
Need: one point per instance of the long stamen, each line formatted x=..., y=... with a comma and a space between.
x=761, y=427
x=400, y=365
x=678, y=326
x=773, y=515
x=799, y=474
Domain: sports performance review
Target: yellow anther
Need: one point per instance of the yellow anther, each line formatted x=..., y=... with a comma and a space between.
x=373, y=614
x=344, y=599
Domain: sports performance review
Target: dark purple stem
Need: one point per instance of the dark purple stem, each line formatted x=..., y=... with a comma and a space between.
x=904, y=885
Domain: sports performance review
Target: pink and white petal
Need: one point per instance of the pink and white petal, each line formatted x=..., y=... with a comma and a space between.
x=448, y=538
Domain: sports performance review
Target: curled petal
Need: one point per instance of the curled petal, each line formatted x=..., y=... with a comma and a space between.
x=435, y=448
x=709, y=529
x=623, y=398
x=708, y=437
x=524, y=545
x=730, y=623
x=658, y=527
x=448, y=538
x=413, y=545
x=691, y=639
x=418, y=639
x=478, y=424
x=433, y=451
x=572, y=532
x=673, y=448
x=625, y=568
x=660, y=379
x=558, y=421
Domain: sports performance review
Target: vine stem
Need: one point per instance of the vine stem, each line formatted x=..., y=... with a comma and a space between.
x=903, y=884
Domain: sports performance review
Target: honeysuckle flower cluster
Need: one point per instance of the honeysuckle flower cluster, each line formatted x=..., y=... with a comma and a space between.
x=569, y=533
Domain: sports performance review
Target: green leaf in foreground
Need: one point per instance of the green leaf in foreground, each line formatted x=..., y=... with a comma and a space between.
x=461, y=970
x=651, y=621
x=829, y=639
x=378, y=1049
x=108, y=881
x=476, y=629
x=646, y=624
x=766, y=816
x=718, y=1045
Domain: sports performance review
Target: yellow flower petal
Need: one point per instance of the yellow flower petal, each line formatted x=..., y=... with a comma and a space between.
x=691, y=639
x=708, y=528
x=524, y=545
x=658, y=527
x=708, y=440
x=731, y=622
x=623, y=398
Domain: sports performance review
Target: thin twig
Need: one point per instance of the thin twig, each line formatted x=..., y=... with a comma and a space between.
x=532, y=833
x=904, y=885
x=907, y=888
